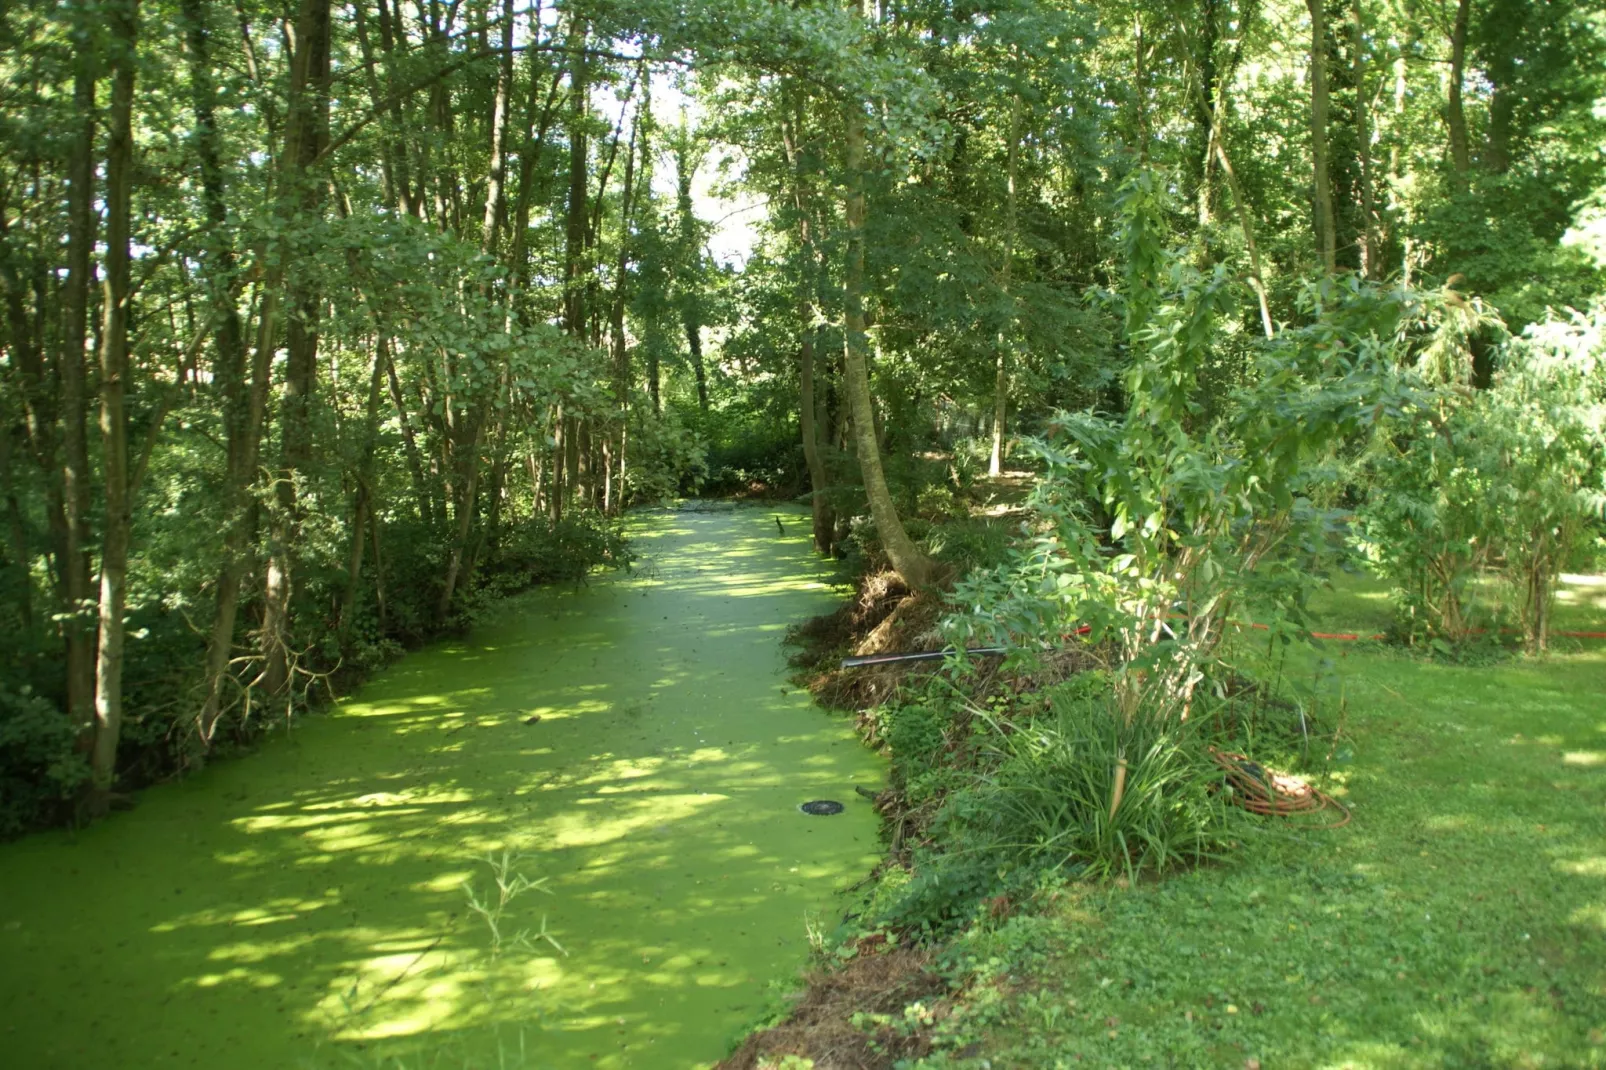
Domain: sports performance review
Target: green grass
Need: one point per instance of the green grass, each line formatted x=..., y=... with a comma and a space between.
x=1459, y=921
x=1360, y=603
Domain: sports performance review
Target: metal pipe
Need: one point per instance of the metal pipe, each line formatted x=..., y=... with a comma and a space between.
x=924, y=655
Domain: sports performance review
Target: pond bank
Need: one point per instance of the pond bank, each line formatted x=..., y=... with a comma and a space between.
x=636, y=744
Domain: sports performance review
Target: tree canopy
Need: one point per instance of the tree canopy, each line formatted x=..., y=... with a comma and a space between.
x=325, y=324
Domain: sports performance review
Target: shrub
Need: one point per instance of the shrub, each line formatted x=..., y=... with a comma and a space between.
x=1042, y=799
x=1091, y=788
x=41, y=770
x=1154, y=528
x=1505, y=478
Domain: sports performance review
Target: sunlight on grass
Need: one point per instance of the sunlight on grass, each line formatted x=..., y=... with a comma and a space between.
x=1460, y=920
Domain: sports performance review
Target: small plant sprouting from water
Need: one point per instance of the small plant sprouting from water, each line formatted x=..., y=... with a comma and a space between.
x=510, y=884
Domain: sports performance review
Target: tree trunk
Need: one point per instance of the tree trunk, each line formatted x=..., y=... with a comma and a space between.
x=307, y=131
x=242, y=404
x=1326, y=225
x=1203, y=147
x=362, y=506
x=809, y=399
x=415, y=460
x=1257, y=281
x=1370, y=268
x=76, y=580
x=574, y=268
x=915, y=568
x=410, y=202
x=824, y=517
x=495, y=178
x=688, y=280
x=18, y=533
x=654, y=373
x=694, y=347
x=122, y=21
x=465, y=519
x=1455, y=113
x=1006, y=333
x=559, y=451
x=534, y=141
x=40, y=395
x=616, y=328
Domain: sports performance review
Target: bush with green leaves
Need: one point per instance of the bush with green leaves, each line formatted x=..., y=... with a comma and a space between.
x=1155, y=528
x=665, y=459
x=1421, y=524
x=41, y=767
x=1507, y=480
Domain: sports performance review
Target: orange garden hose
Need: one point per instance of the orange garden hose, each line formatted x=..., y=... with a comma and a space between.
x=1264, y=791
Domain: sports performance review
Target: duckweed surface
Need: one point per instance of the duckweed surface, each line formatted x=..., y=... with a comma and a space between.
x=306, y=906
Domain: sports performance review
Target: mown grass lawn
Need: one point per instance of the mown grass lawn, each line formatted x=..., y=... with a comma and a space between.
x=1458, y=921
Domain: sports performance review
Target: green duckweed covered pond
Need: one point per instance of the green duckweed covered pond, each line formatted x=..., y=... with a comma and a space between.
x=306, y=906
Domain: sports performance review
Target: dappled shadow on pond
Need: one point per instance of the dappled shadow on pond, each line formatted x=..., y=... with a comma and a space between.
x=633, y=743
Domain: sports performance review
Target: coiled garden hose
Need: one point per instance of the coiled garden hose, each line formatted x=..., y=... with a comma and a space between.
x=1264, y=791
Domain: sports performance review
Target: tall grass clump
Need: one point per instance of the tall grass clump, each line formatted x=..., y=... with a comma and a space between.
x=1081, y=790
x=1088, y=789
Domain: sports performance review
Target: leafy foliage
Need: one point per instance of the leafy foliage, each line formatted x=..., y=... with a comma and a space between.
x=1507, y=479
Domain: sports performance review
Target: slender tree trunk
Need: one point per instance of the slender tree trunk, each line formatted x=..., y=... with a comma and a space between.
x=1006, y=333
x=1455, y=113
x=574, y=267
x=415, y=461
x=824, y=519
x=1326, y=225
x=694, y=348
x=534, y=141
x=1246, y=221
x=1203, y=148
x=495, y=179
x=362, y=506
x=915, y=568
x=40, y=395
x=616, y=324
x=308, y=131
x=464, y=518
x=654, y=373
x=379, y=574
x=242, y=422
x=1363, y=142
x=688, y=276
x=76, y=474
x=18, y=533
x=560, y=448
x=390, y=29
x=122, y=21
x=1140, y=89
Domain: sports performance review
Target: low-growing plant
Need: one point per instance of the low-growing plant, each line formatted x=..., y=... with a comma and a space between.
x=1092, y=789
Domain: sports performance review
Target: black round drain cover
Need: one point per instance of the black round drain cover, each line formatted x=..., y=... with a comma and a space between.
x=821, y=807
